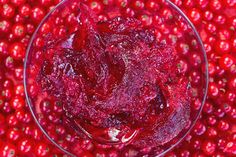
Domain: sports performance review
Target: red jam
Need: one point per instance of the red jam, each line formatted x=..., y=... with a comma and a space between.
x=115, y=77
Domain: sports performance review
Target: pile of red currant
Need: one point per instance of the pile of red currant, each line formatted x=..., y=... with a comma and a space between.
x=215, y=132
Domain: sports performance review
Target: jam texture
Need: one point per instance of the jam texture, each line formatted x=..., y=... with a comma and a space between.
x=116, y=74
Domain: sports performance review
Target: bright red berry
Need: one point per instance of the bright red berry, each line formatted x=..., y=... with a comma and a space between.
x=17, y=50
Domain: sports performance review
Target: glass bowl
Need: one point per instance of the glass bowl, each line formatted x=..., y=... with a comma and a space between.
x=171, y=26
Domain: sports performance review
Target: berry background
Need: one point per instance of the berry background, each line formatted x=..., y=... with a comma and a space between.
x=215, y=132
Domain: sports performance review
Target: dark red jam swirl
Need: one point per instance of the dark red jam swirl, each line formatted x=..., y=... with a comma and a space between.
x=115, y=74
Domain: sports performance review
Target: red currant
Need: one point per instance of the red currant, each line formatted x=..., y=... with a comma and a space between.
x=7, y=11
x=25, y=145
x=226, y=61
x=17, y=50
x=19, y=30
x=5, y=26
x=7, y=150
x=37, y=14
x=209, y=147
x=222, y=47
x=42, y=149
x=195, y=15
x=25, y=10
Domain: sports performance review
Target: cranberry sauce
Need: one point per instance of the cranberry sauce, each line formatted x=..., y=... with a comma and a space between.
x=116, y=79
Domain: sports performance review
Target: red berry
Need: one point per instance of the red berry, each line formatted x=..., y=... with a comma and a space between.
x=211, y=132
x=8, y=83
x=222, y=47
x=17, y=50
x=52, y=117
x=226, y=61
x=195, y=15
x=224, y=34
x=17, y=102
x=18, y=73
x=221, y=143
x=146, y=19
x=220, y=19
x=211, y=120
x=230, y=148
x=152, y=5
x=208, y=108
x=12, y=120
x=195, y=77
x=7, y=11
x=195, y=59
x=199, y=129
x=20, y=115
x=27, y=130
x=19, y=90
x=7, y=93
x=46, y=106
x=36, y=134
x=213, y=90
x=215, y=5
x=96, y=6
x=129, y=12
x=25, y=145
x=211, y=28
x=167, y=14
x=60, y=32
x=25, y=10
x=18, y=30
x=37, y=14
x=219, y=113
x=46, y=28
x=7, y=150
x=6, y=108
x=5, y=26
x=209, y=147
x=137, y=4
x=223, y=125
x=9, y=62
x=13, y=134
x=30, y=28
x=208, y=15
x=182, y=66
x=42, y=149
x=27, y=118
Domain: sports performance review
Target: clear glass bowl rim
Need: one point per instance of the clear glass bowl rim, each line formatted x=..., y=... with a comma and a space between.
x=173, y=6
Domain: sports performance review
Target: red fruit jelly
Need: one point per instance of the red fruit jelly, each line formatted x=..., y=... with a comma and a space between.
x=117, y=82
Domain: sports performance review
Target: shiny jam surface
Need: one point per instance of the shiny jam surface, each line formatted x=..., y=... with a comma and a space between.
x=115, y=77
